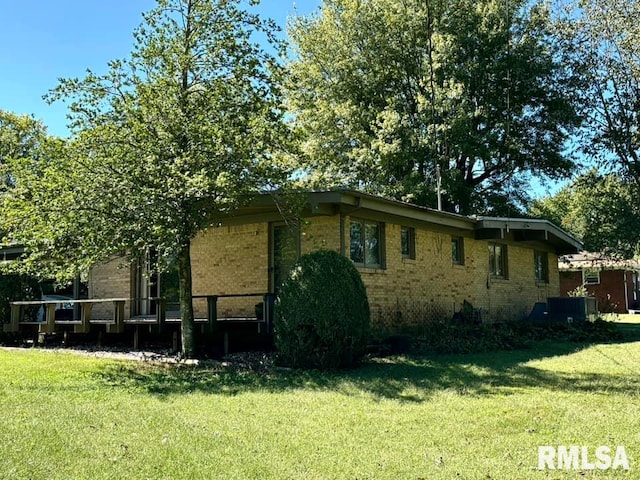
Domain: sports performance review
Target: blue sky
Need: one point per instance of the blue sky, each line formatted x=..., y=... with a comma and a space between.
x=43, y=40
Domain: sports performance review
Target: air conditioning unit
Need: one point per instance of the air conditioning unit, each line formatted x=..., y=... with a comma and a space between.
x=572, y=309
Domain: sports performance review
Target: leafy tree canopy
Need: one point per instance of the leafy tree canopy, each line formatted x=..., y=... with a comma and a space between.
x=600, y=209
x=164, y=144
x=602, y=40
x=383, y=91
x=21, y=136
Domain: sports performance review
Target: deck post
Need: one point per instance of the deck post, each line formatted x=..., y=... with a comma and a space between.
x=49, y=324
x=136, y=337
x=269, y=301
x=212, y=313
x=16, y=313
x=85, y=318
x=161, y=313
x=118, y=317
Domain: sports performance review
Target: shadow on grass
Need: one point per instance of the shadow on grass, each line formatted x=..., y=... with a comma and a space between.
x=409, y=379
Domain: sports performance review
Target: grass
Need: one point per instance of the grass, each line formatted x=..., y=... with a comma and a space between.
x=442, y=417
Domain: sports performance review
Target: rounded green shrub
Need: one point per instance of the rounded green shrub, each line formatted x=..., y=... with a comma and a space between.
x=322, y=318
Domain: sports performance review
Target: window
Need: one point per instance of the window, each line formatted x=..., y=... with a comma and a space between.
x=457, y=250
x=366, y=243
x=497, y=260
x=541, y=265
x=10, y=256
x=148, y=284
x=408, y=242
x=591, y=276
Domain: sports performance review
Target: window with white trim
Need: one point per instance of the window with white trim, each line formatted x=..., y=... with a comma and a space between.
x=591, y=276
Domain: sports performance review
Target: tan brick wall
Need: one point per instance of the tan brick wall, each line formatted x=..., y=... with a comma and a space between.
x=514, y=298
x=235, y=259
x=320, y=233
x=111, y=279
x=231, y=260
x=431, y=287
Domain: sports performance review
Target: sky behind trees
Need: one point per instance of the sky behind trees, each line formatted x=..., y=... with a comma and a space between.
x=44, y=40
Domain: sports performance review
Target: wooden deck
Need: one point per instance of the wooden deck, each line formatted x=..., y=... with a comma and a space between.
x=117, y=321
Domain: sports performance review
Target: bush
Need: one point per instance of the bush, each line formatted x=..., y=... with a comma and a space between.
x=456, y=338
x=322, y=317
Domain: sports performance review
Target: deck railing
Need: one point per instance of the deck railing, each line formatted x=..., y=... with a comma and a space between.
x=22, y=313
x=48, y=321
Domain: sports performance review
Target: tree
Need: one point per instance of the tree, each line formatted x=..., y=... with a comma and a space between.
x=602, y=39
x=21, y=136
x=384, y=91
x=600, y=209
x=166, y=143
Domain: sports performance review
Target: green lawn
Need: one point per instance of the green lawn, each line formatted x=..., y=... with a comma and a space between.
x=66, y=416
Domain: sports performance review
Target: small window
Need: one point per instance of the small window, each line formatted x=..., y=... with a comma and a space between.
x=591, y=277
x=366, y=243
x=11, y=256
x=408, y=242
x=498, y=261
x=457, y=250
x=541, y=265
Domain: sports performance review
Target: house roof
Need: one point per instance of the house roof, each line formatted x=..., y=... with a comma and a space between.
x=528, y=229
x=595, y=260
x=351, y=202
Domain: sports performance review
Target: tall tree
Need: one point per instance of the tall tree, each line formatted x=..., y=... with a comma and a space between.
x=600, y=209
x=384, y=91
x=602, y=38
x=164, y=144
x=21, y=136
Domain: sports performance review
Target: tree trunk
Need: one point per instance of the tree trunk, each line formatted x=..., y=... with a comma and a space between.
x=186, y=301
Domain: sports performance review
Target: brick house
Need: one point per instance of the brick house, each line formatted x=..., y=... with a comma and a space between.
x=615, y=283
x=418, y=264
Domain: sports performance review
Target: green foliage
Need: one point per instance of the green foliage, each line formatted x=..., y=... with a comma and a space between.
x=458, y=338
x=21, y=137
x=164, y=145
x=322, y=317
x=601, y=210
x=383, y=91
x=602, y=42
x=16, y=287
x=579, y=291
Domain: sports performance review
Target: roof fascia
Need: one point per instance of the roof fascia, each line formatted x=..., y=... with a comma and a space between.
x=530, y=230
x=351, y=202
